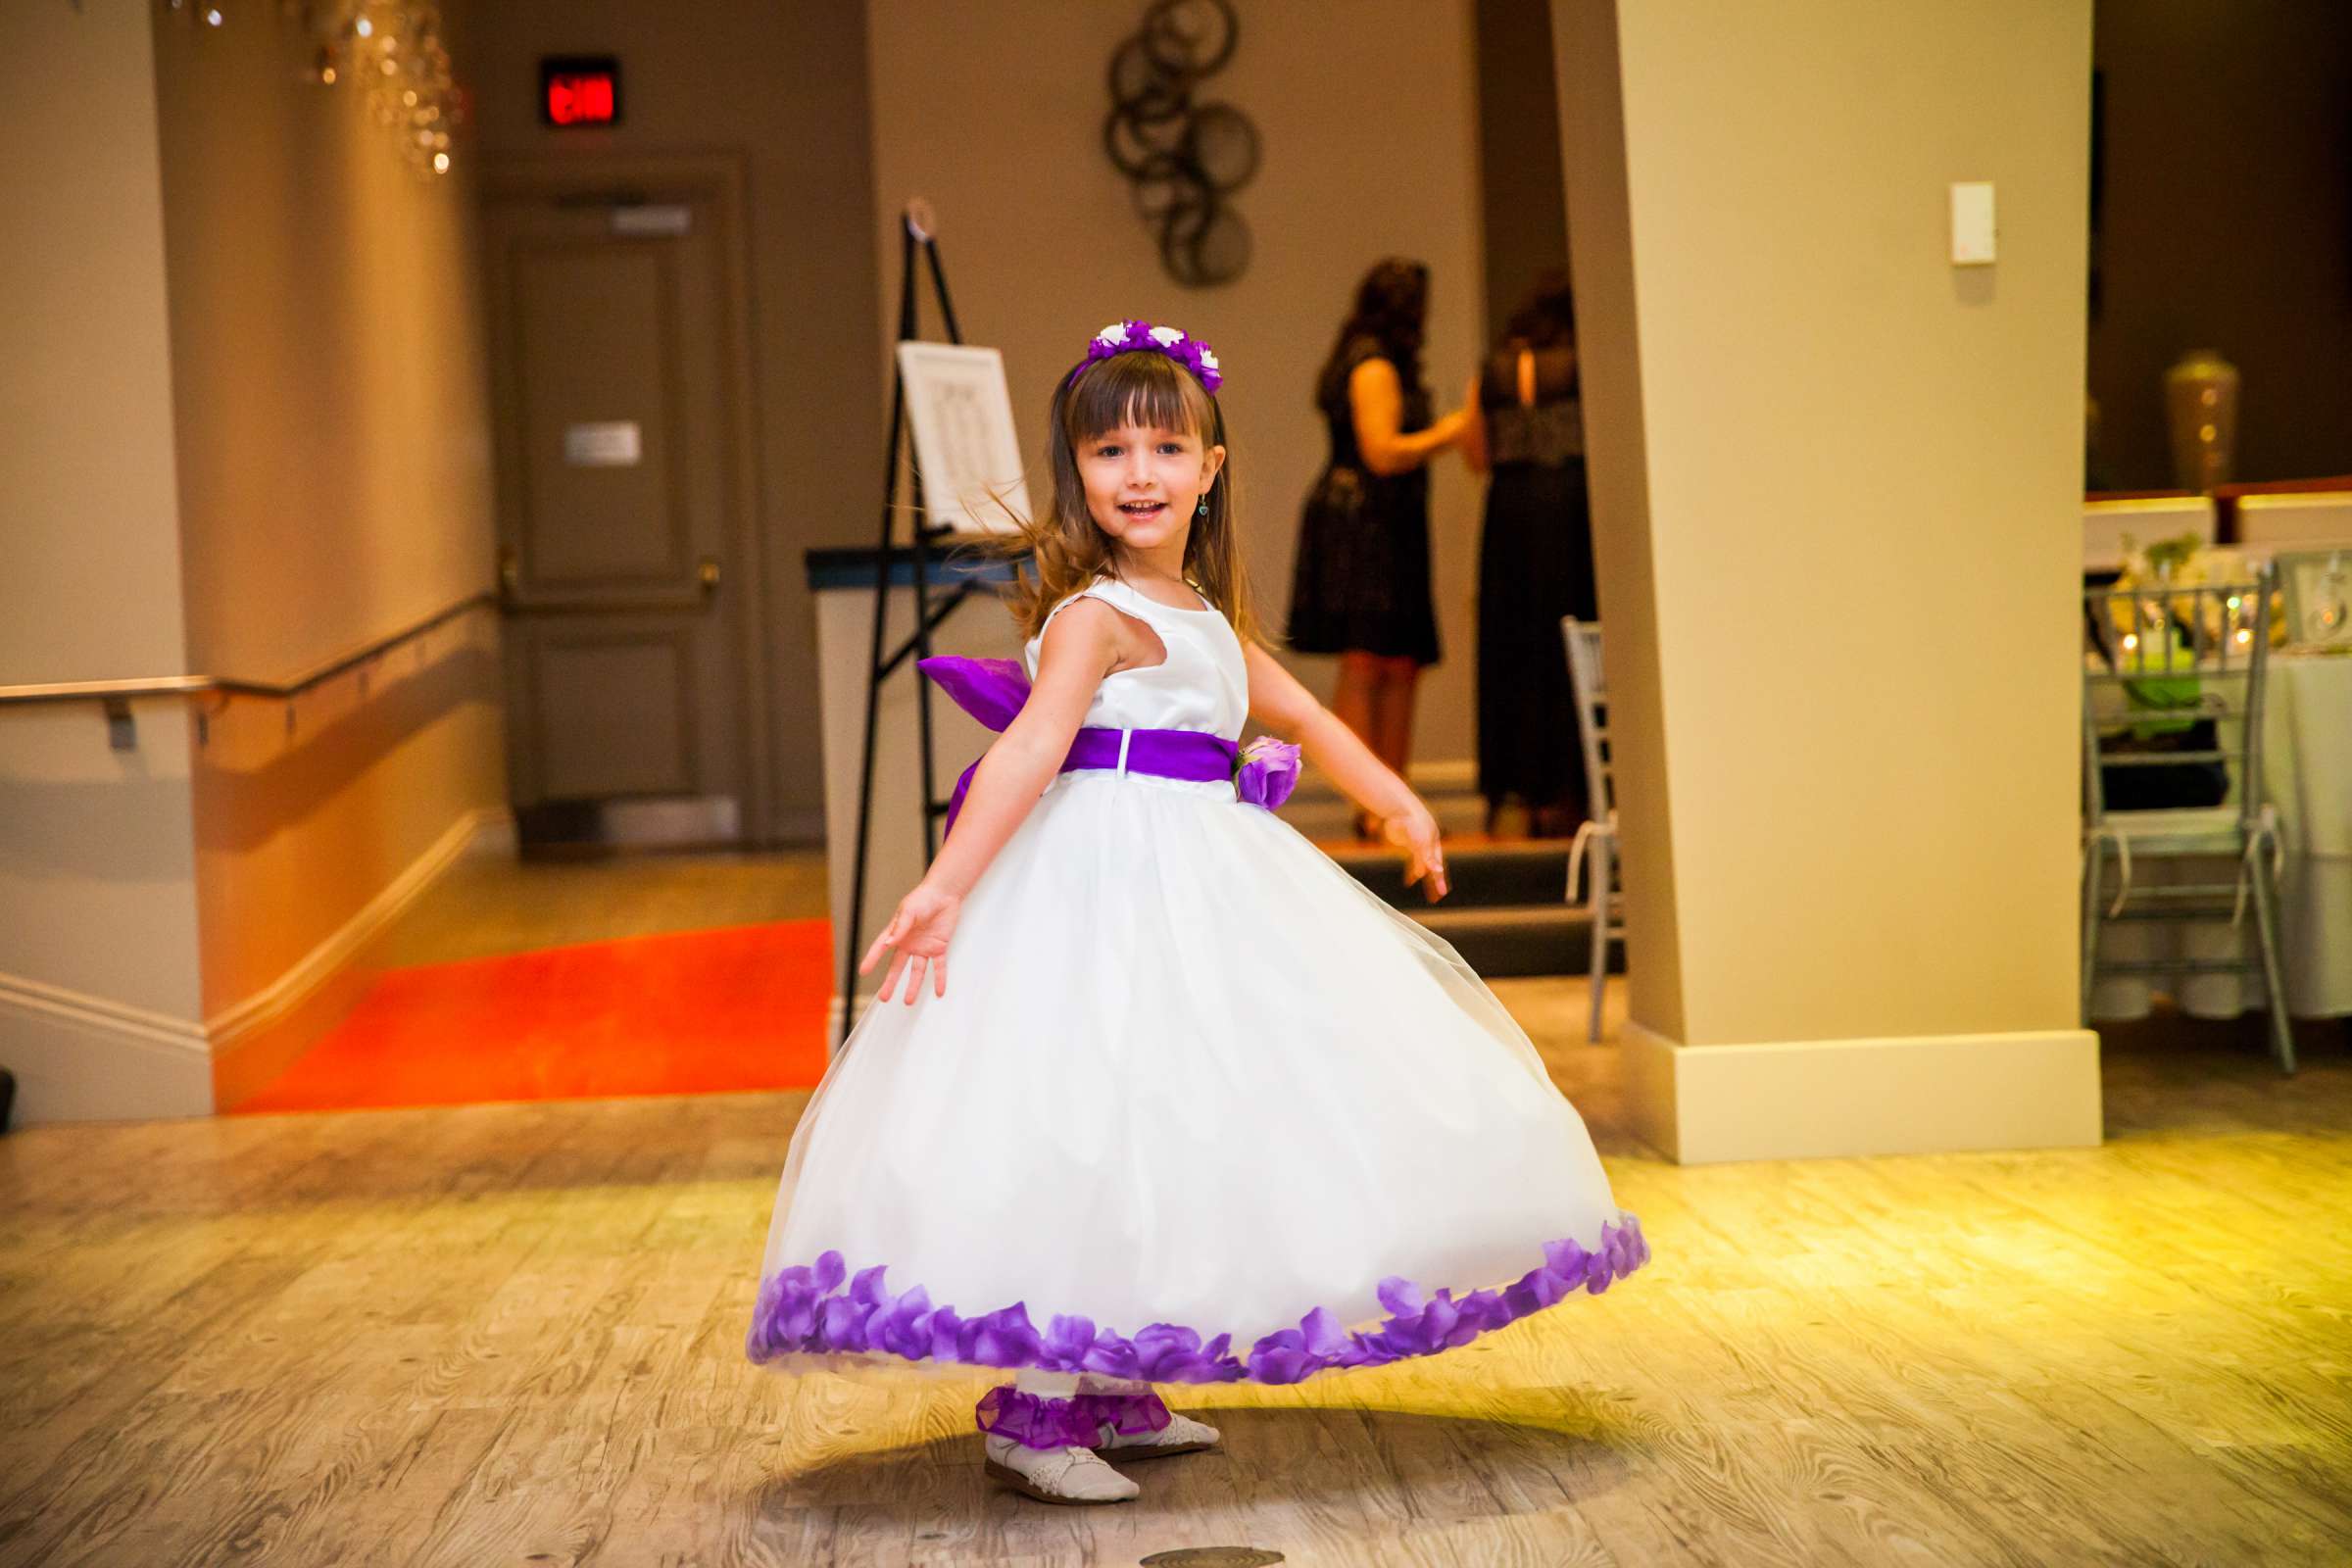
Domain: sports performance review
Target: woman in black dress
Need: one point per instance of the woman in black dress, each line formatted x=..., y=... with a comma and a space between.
x=1535, y=563
x=1360, y=589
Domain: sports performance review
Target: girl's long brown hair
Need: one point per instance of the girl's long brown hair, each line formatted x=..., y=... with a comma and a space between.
x=1067, y=551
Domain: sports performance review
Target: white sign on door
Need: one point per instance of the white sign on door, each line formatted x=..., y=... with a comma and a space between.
x=608, y=444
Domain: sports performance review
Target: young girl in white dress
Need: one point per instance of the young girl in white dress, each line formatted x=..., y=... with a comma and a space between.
x=1198, y=1108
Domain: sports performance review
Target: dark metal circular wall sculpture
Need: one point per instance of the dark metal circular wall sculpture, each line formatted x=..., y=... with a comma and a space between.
x=1183, y=157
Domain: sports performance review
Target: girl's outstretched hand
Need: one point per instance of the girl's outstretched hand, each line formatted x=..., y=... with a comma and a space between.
x=1415, y=831
x=920, y=931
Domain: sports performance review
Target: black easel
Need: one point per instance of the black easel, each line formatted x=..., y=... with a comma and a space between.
x=914, y=228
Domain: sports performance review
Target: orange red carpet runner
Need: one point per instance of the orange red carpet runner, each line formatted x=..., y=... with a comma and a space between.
x=685, y=1013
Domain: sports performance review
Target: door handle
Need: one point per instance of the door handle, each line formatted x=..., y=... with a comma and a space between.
x=708, y=575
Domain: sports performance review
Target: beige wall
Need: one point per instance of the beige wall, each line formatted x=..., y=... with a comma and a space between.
x=100, y=995
x=1367, y=115
x=326, y=359
x=2229, y=225
x=333, y=429
x=247, y=403
x=314, y=831
x=87, y=543
x=786, y=86
x=1594, y=139
x=299, y=826
x=1837, y=503
x=98, y=960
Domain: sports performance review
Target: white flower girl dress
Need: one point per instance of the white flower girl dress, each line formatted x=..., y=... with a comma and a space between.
x=1197, y=1107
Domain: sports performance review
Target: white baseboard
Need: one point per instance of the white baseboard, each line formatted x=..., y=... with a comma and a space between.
x=80, y=1057
x=83, y=1061
x=1822, y=1098
x=83, y=1058
x=29, y=997
x=493, y=833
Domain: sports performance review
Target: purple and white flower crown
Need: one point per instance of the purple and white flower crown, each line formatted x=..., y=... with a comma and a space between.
x=1126, y=337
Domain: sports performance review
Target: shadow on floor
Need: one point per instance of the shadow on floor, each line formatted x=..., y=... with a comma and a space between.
x=1351, y=1469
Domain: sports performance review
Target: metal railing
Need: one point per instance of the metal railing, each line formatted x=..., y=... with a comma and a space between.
x=116, y=696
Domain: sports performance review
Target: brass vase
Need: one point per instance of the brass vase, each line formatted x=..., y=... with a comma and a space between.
x=2200, y=401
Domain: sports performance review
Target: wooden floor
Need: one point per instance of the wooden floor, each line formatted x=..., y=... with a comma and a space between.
x=489, y=906
x=512, y=1335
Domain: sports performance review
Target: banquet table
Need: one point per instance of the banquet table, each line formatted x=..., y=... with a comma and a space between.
x=2306, y=776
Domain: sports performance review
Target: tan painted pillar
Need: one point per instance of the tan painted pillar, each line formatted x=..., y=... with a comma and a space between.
x=101, y=1001
x=1837, y=485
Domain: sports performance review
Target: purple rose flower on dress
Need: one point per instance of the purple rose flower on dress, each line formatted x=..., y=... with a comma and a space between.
x=1269, y=771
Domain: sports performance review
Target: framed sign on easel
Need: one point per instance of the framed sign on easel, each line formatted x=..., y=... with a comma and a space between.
x=948, y=401
x=967, y=459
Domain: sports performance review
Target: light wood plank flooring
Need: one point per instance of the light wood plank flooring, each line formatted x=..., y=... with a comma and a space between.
x=511, y=1335
x=489, y=906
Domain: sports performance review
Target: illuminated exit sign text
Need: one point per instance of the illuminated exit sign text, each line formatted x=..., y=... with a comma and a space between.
x=579, y=90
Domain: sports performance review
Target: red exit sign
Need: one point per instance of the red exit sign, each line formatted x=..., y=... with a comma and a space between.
x=579, y=90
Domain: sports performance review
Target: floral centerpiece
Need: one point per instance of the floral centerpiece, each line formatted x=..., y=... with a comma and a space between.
x=2187, y=562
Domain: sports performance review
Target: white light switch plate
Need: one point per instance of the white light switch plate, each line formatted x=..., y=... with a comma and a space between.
x=1971, y=222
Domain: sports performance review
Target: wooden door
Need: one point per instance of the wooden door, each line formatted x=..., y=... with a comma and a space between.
x=617, y=310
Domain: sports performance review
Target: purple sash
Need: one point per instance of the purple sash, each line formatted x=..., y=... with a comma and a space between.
x=993, y=690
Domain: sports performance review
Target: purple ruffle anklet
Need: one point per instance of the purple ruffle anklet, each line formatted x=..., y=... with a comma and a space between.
x=1035, y=1421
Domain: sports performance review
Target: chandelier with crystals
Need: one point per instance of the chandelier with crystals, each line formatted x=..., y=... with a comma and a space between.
x=389, y=51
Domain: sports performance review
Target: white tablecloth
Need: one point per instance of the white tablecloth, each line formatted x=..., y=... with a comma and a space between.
x=2307, y=772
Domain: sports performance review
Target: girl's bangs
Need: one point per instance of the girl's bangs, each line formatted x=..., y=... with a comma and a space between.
x=1146, y=389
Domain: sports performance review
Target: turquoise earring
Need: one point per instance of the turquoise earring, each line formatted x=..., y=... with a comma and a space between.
x=1202, y=509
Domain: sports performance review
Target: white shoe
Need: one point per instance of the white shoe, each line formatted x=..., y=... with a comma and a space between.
x=1055, y=1475
x=1182, y=1434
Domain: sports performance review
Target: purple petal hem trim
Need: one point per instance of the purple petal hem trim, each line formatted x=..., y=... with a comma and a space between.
x=804, y=1310
x=1078, y=1421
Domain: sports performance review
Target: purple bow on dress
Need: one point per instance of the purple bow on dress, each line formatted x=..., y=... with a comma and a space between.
x=993, y=690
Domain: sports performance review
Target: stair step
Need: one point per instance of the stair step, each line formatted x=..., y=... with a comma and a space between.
x=1517, y=941
x=1319, y=811
x=1507, y=913
x=1326, y=818
x=1480, y=875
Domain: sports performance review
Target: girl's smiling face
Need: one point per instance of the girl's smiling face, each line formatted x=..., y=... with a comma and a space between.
x=1142, y=483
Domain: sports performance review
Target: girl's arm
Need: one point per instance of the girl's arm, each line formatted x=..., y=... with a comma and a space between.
x=1376, y=401
x=1290, y=710
x=1080, y=648
x=1474, y=430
